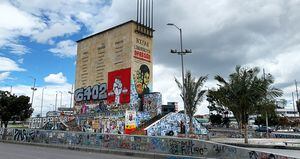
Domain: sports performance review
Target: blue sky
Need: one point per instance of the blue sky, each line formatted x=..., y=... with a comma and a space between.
x=38, y=39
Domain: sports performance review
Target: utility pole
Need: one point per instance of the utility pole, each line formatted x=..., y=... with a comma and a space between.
x=71, y=94
x=33, y=89
x=267, y=122
x=55, y=101
x=297, y=95
x=181, y=53
x=42, y=101
x=294, y=104
x=60, y=98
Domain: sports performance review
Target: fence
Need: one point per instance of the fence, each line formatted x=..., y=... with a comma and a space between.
x=162, y=145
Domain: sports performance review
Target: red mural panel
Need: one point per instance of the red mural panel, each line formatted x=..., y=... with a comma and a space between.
x=119, y=86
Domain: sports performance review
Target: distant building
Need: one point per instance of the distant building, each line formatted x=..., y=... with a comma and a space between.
x=170, y=107
x=287, y=112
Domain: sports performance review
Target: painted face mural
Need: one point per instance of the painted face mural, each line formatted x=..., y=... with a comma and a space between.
x=142, y=79
x=119, y=86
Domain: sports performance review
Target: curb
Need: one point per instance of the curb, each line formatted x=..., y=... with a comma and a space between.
x=264, y=146
x=107, y=151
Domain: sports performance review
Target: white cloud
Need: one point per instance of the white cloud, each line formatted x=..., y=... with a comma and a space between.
x=42, y=21
x=17, y=49
x=56, y=30
x=58, y=78
x=7, y=64
x=15, y=18
x=14, y=23
x=21, y=60
x=4, y=75
x=65, y=48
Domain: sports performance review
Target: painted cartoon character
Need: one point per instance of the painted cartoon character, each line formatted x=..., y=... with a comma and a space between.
x=117, y=89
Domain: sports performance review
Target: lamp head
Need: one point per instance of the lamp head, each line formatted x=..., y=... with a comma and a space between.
x=173, y=51
x=170, y=24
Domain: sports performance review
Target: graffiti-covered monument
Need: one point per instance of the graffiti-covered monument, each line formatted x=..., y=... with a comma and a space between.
x=113, y=86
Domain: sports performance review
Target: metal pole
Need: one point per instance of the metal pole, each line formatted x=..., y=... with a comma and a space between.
x=42, y=102
x=10, y=89
x=181, y=53
x=55, y=101
x=297, y=95
x=294, y=104
x=267, y=122
x=33, y=89
x=183, y=84
x=60, y=98
x=71, y=94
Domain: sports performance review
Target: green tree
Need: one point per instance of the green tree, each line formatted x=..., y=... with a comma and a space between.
x=215, y=119
x=219, y=110
x=243, y=93
x=12, y=106
x=193, y=94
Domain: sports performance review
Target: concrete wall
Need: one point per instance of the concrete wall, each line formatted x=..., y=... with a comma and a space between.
x=163, y=145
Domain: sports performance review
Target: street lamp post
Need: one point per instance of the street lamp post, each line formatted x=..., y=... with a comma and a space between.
x=71, y=94
x=10, y=90
x=60, y=98
x=181, y=53
x=55, y=101
x=42, y=101
x=33, y=89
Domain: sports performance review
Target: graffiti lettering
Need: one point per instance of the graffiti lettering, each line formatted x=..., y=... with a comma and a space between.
x=23, y=135
x=97, y=92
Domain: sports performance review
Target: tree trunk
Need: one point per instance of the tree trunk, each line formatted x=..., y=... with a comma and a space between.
x=191, y=124
x=5, y=124
x=1, y=124
x=5, y=129
x=240, y=127
x=246, y=133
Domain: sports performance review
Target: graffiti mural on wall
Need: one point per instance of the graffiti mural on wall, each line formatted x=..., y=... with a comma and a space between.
x=134, y=97
x=152, y=103
x=171, y=125
x=119, y=86
x=51, y=122
x=97, y=92
x=24, y=135
x=165, y=145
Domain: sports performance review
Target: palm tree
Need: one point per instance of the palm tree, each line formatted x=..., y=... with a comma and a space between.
x=243, y=93
x=193, y=94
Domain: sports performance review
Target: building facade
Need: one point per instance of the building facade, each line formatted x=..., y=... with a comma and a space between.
x=114, y=71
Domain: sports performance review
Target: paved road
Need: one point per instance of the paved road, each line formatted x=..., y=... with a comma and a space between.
x=15, y=151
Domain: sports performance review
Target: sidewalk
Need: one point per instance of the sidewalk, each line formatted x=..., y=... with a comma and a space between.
x=262, y=142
